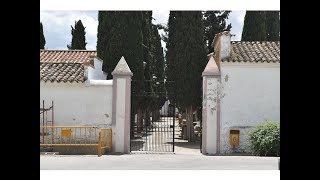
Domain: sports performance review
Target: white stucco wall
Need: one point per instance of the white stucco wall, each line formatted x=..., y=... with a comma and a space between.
x=96, y=72
x=118, y=132
x=225, y=46
x=165, y=109
x=250, y=97
x=210, y=112
x=76, y=104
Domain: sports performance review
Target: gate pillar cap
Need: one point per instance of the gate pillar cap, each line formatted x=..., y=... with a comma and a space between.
x=211, y=68
x=122, y=68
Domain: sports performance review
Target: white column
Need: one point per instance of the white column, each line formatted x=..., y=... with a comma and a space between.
x=121, y=107
x=210, y=109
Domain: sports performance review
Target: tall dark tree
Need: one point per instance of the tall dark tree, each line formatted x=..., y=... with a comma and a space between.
x=158, y=67
x=273, y=25
x=254, y=27
x=120, y=34
x=42, y=38
x=104, y=30
x=170, y=30
x=78, y=36
x=186, y=60
x=147, y=54
x=215, y=22
x=147, y=101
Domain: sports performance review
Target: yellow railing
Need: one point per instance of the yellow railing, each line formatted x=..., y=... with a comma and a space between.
x=76, y=136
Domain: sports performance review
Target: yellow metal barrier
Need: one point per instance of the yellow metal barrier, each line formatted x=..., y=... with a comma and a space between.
x=76, y=136
x=105, y=139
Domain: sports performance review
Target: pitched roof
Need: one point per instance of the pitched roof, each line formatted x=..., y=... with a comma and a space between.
x=67, y=56
x=64, y=65
x=254, y=51
x=62, y=72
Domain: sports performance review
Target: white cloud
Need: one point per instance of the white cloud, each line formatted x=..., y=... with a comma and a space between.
x=57, y=27
x=236, y=19
x=160, y=16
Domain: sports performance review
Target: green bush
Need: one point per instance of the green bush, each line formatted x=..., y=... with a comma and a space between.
x=265, y=140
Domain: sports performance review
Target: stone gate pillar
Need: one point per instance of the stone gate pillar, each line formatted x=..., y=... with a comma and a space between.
x=121, y=107
x=210, y=108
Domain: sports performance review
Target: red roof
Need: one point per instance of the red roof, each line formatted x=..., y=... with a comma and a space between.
x=66, y=56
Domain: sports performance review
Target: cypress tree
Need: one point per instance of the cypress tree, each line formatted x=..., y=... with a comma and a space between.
x=187, y=59
x=78, y=36
x=158, y=64
x=101, y=35
x=147, y=54
x=158, y=67
x=42, y=38
x=148, y=100
x=254, y=27
x=273, y=25
x=170, y=45
x=215, y=22
x=120, y=34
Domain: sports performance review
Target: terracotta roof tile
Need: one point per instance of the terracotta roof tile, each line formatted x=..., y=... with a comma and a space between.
x=62, y=72
x=66, y=56
x=64, y=65
x=255, y=51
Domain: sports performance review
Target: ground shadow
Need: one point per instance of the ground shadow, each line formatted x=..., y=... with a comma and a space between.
x=136, y=145
x=189, y=145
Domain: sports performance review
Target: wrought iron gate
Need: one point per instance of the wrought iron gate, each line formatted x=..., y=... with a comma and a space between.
x=153, y=116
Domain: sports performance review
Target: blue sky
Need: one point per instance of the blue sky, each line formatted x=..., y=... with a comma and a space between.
x=57, y=26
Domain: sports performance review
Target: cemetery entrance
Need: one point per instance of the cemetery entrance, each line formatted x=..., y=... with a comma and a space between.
x=153, y=115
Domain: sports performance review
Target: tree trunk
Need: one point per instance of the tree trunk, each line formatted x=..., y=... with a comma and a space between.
x=157, y=115
x=190, y=129
x=139, y=120
x=153, y=115
x=147, y=118
x=184, y=128
x=132, y=124
x=184, y=115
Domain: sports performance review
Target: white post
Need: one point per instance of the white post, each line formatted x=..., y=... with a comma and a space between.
x=210, y=109
x=121, y=107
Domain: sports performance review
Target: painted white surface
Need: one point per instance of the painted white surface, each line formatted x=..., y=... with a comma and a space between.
x=250, y=97
x=122, y=67
x=96, y=72
x=78, y=105
x=211, y=112
x=165, y=109
x=225, y=46
x=91, y=82
x=120, y=115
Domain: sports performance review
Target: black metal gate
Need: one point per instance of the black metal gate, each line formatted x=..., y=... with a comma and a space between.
x=153, y=116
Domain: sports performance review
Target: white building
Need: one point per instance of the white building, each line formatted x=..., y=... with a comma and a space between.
x=249, y=87
x=74, y=80
x=248, y=81
x=167, y=109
